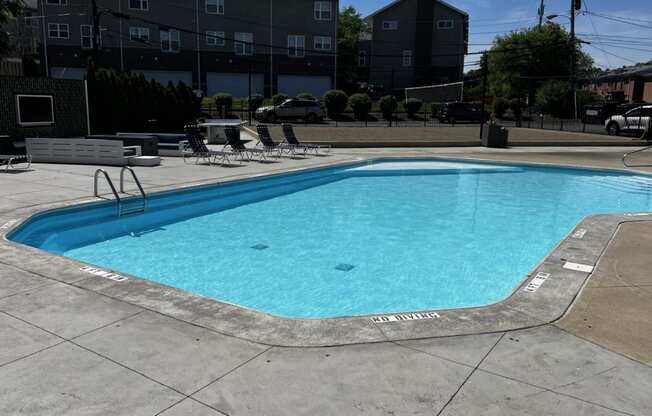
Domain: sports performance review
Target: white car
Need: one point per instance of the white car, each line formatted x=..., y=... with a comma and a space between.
x=634, y=121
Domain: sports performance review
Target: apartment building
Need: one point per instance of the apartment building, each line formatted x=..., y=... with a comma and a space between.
x=415, y=43
x=630, y=84
x=286, y=46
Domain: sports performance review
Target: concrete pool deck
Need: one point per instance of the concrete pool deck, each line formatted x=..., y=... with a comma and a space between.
x=69, y=350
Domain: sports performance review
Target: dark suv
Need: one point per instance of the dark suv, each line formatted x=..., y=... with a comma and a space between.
x=293, y=108
x=456, y=112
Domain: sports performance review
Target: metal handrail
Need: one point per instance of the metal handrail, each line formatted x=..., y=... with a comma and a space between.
x=110, y=182
x=626, y=155
x=140, y=187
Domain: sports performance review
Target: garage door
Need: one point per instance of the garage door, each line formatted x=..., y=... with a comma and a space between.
x=235, y=84
x=67, y=73
x=295, y=84
x=165, y=77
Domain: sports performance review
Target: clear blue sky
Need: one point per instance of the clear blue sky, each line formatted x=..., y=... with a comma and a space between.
x=613, y=43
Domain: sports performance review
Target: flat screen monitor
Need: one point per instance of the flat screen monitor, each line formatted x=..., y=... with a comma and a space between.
x=34, y=110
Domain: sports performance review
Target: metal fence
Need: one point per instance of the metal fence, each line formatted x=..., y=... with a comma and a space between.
x=427, y=119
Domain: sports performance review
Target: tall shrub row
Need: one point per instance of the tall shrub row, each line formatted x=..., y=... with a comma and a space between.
x=128, y=102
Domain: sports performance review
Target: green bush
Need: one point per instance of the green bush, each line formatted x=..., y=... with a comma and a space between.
x=335, y=102
x=255, y=102
x=388, y=106
x=412, y=106
x=435, y=109
x=361, y=105
x=552, y=97
x=279, y=98
x=500, y=106
x=306, y=96
x=224, y=103
x=517, y=106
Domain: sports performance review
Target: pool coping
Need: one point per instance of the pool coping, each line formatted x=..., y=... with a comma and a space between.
x=544, y=295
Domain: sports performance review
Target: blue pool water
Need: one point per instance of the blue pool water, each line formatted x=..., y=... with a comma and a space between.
x=391, y=236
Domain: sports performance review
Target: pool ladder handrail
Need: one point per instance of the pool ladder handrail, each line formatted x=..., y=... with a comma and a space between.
x=116, y=194
x=628, y=154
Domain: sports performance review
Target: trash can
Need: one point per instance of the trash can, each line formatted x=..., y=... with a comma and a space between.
x=496, y=136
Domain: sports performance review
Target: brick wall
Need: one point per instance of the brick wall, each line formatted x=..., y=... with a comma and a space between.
x=69, y=99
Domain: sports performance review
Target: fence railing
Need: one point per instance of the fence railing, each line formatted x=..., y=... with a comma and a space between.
x=427, y=119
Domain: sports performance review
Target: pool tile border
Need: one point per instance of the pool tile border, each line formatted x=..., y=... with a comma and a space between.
x=521, y=309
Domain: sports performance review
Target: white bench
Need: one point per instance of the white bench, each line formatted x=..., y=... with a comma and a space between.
x=80, y=150
x=168, y=144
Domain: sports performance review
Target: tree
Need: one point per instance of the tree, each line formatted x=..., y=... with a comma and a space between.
x=350, y=28
x=9, y=9
x=521, y=61
x=553, y=97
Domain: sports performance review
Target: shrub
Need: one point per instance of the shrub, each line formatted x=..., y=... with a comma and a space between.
x=127, y=101
x=435, y=109
x=412, y=106
x=306, y=96
x=500, y=106
x=388, y=106
x=335, y=102
x=361, y=105
x=552, y=97
x=224, y=103
x=255, y=101
x=279, y=98
x=517, y=106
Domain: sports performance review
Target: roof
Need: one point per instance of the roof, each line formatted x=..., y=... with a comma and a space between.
x=396, y=2
x=639, y=70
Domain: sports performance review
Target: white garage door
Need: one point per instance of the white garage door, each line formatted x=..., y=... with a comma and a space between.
x=165, y=77
x=295, y=84
x=235, y=84
x=67, y=73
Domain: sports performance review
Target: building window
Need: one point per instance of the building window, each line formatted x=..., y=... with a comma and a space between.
x=215, y=6
x=214, y=38
x=244, y=43
x=58, y=31
x=170, y=41
x=139, y=34
x=390, y=25
x=296, y=46
x=139, y=4
x=56, y=2
x=86, y=36
x=444, y=24
x=407, y=58
x=322, y=43
x=362, y=58
x=323, y=10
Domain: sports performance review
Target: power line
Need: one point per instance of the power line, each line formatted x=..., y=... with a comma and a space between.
x=586, y=8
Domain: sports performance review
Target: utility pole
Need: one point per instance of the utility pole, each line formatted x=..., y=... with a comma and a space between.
x=484, y=65
x=96, y=32
x=542, y=11
x=575, y=5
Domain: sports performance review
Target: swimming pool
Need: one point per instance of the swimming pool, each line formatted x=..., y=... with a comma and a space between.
x=362, y=239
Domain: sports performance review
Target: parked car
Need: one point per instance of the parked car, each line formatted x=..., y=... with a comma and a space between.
x=599, y=113
x=293, y=108
x=456, y=112
x=633, y=122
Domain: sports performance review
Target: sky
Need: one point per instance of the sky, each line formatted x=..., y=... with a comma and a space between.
x=623, y=37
